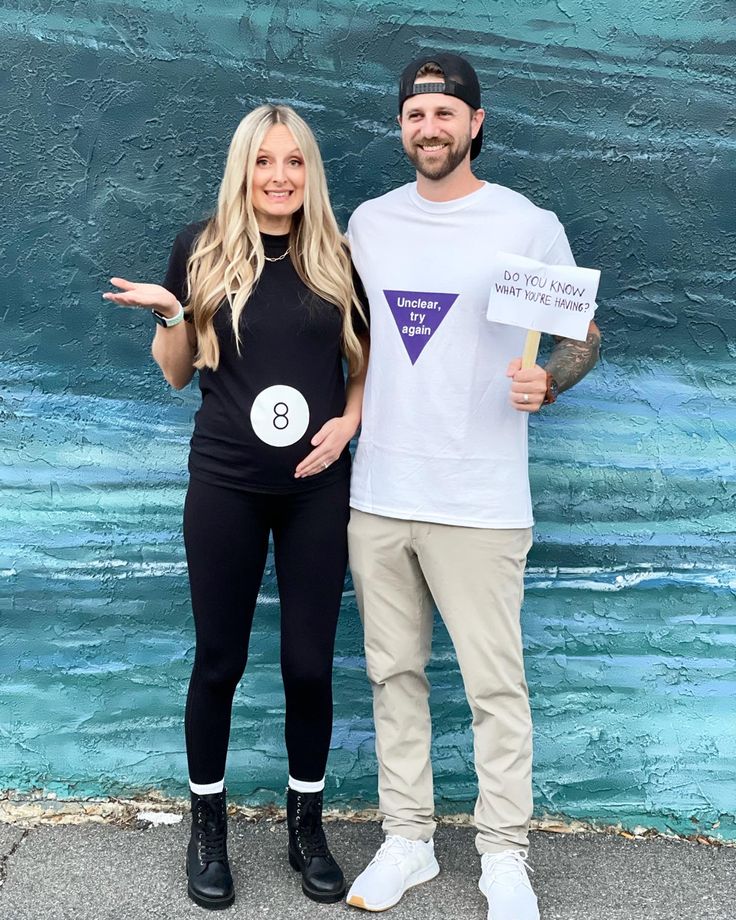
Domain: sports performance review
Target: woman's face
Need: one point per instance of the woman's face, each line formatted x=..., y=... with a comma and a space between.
x=279, y=177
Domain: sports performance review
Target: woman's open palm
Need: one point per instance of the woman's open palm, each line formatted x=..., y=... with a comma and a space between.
x=136, y=294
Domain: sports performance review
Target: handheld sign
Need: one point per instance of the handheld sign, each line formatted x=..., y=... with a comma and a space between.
x=559, y=299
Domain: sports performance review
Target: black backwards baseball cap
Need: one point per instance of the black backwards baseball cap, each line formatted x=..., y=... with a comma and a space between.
x=460, y=81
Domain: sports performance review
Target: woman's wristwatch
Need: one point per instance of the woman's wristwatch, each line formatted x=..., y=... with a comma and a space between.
x=168, y=321
x=552, y=390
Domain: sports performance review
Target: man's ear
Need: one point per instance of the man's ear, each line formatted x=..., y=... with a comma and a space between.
x=477, y=119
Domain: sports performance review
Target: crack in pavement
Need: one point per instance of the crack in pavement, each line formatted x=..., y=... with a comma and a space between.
x=11, y=852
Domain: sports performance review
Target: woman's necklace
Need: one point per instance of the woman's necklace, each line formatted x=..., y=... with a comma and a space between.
x=277, y=258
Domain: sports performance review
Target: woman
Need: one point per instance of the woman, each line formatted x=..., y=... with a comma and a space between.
x=270, y=308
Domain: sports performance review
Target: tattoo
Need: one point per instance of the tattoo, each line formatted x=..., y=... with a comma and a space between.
x=571, y=360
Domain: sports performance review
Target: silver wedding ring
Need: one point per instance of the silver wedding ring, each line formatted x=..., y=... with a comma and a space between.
x=526, y=397
x=324, y=465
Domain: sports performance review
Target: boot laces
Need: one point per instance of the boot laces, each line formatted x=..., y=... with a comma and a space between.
x=310, y=834
x=213, y=847
x=312, y=842
x=211, y=834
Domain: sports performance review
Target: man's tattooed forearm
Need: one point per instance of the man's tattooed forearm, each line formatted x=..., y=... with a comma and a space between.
x=571, y=360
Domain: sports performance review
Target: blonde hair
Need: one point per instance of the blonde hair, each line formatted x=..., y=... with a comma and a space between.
x=228, y=258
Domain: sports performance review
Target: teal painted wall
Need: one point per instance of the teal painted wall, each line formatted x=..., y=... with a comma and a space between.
x=113, y=134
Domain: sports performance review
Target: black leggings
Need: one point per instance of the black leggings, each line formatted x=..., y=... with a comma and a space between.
x=226, y=538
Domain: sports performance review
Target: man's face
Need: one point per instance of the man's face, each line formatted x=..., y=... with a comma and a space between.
x=437, y=130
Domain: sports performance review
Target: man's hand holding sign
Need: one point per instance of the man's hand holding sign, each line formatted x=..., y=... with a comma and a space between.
x=558, y=299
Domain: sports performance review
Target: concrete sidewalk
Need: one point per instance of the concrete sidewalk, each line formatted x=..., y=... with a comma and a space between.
x=107, y=872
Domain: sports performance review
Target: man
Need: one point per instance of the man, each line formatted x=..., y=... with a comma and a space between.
x=440, y=494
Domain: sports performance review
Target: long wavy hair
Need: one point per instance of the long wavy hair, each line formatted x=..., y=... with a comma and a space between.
x=228, y=258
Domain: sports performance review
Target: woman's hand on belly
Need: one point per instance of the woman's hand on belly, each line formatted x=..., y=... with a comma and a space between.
x=328, y=443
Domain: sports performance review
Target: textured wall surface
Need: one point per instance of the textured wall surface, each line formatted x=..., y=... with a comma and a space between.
x=620, y=117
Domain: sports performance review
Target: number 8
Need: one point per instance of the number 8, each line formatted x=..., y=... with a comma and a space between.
x=283, y=416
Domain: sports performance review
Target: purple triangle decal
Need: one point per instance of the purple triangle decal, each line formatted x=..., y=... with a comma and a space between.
x=418, y=315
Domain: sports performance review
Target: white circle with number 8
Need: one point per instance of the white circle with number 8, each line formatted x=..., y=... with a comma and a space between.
x=280, y=415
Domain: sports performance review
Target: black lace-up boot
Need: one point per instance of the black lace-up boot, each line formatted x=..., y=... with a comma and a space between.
x=322, y=878
x=208, y=870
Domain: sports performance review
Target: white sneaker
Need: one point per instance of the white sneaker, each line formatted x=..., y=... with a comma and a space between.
x=504, y=881
x=399, y=864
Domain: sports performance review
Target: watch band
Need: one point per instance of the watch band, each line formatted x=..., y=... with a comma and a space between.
x=169, y=321
x=550, y=394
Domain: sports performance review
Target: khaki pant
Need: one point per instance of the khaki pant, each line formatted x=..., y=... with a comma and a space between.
x=475, y=576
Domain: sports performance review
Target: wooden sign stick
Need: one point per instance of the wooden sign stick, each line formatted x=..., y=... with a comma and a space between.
x=531, y=347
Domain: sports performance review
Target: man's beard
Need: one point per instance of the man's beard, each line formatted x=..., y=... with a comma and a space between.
x=443, y=167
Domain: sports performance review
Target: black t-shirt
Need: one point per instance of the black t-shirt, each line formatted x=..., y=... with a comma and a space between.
x=261, y=408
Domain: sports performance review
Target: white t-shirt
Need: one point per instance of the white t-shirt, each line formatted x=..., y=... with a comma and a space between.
x=440, y=440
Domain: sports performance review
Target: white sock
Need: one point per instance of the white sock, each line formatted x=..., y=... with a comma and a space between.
x=207, y=788
x=299, y=785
